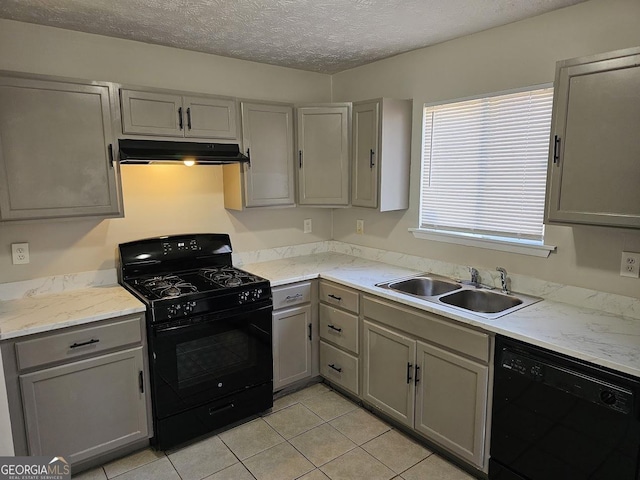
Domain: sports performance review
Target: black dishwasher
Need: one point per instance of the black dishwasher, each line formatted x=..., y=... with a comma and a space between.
x=558, y=418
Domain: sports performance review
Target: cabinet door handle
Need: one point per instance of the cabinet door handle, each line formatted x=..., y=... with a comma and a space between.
x=248, y=157
x=189, y=118
x=335, y=297
x=334, y=328
x=417, y=379
x=310, y=332
x=111, y=154
x=84, y=344
x=290, y=298
x=300, y=157
x=141, y=381
x=556, y=150
x=409, y=378
x=371, y=154
x=180, y=118
x=337, y=369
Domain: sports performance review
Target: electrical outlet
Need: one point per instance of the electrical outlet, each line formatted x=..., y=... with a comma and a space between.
x=307, y=225
x=20, y=253
x=359, y=227
x=630, y=265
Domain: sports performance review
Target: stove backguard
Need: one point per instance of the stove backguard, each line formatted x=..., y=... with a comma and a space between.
x=175, y=253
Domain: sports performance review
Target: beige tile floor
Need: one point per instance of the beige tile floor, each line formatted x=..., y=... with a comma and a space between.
x=313, y=434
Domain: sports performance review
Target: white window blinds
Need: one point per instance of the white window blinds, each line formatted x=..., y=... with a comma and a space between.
x=484, y=165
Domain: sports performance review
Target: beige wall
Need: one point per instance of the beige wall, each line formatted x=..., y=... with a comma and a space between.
x=158, y=200
x=516, y=55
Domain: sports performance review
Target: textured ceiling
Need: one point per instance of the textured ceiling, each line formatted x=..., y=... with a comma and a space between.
x=325, y=36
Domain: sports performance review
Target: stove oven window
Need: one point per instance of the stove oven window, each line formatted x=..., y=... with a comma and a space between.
x=215, y=356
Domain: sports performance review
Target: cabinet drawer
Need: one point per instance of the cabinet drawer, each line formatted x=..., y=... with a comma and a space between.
x=430, y=327
x=290, y=295
x=66, y=346
x=339, y=296
x=339, y=367
x=339, y=327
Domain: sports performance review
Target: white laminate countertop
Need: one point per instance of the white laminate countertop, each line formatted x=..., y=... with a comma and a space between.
x=43, y=313
x=602, y=338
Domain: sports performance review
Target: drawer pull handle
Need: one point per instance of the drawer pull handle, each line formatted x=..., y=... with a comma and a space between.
x=334, y=328
x=335, y=297
x=337, y=369
x=291, y=298
x=409, y=365
x=214, y=411
x=84, y=344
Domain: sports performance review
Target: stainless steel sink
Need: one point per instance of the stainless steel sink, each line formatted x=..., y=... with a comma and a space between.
x=424, y=286
x=481, y=301
x=470, y=298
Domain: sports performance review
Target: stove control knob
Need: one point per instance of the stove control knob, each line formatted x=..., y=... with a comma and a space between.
x=608, y=397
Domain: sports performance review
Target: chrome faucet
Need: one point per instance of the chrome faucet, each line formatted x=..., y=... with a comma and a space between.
x=475, y=277
x=503, y=279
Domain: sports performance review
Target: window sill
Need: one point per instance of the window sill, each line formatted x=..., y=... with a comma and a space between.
x=502, y=245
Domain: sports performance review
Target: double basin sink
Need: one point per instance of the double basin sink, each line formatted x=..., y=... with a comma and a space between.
x=476, y=299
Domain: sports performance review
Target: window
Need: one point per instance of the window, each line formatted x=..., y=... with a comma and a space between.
x=484, y=167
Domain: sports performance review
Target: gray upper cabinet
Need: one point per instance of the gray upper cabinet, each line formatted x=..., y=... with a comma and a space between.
x=172, y=114
x=267, y=137
x=55, y=140
x=323, y=155
x=594, y=164
x=381, y=154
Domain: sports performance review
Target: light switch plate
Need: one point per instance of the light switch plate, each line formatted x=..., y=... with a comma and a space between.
x=630, y=265
x=20, y=253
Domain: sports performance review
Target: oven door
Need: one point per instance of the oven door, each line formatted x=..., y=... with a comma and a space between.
x=200, y=359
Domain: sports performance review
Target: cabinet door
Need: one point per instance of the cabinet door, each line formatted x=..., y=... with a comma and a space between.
x=147, y=113
x=389, y=363
x=85, y=408
x=366, y=124
x=267, y=136
x=54, y=150
x=292, y=338
x=595, y=174
x=210, y=117
x=323, y=155
x=452, y=401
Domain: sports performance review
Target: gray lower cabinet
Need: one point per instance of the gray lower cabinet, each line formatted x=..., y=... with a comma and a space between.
x=55, y=142
x=428, y=374
x=79, y=392
x=295, y=337
x=339, y=336
x=594, y=167
x=292, y=346
x=451, y=400
x=86, y=408
x=388, y=369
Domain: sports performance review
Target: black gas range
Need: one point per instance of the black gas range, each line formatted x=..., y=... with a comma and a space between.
x=209, y=333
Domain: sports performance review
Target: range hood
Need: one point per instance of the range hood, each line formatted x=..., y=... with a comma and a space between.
x=144, y=152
